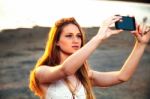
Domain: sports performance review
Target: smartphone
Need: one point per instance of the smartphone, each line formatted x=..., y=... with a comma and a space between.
x=126, y=23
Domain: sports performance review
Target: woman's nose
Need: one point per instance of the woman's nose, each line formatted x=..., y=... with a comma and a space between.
x=75, y=39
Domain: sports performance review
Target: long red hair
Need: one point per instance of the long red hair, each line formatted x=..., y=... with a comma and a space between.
x=51, y=57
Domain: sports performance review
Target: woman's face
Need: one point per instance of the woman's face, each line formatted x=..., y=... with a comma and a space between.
x=70, y=39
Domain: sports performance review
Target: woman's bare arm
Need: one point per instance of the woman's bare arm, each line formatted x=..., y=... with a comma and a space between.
x=49, y=74
x=105, y=79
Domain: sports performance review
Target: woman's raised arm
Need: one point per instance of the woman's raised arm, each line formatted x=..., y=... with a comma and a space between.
x=105, y=79
x=75, y=61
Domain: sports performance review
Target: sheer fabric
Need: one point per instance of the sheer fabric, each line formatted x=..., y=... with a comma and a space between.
x=59, y=90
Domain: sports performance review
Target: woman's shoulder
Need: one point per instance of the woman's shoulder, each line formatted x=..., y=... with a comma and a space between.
x=44, y=69
x=39, y=70
x=49, y=74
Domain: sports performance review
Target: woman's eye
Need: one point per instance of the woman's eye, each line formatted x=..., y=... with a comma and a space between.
x=68, y=35
x=79, y=36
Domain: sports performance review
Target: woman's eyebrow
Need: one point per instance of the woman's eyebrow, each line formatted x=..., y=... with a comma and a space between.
x=79, y=33
x=69, y=33
x=73, y=33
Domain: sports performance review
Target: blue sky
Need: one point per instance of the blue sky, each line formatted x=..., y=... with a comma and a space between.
x=28, y=13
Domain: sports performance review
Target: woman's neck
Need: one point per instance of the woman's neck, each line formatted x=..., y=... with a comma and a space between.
x=63, y=57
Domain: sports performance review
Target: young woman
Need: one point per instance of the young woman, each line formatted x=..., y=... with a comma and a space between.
x=63, y=73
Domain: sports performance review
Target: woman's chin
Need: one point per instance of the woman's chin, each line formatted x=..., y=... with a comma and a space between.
x=73, y=51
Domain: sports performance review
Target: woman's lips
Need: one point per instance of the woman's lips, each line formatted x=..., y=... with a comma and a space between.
x=75, y=47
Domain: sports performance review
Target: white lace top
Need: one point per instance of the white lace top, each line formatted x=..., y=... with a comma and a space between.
x=59, y=90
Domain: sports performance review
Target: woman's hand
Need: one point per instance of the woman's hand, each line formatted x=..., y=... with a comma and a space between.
x=142, y=34
x=105, y=31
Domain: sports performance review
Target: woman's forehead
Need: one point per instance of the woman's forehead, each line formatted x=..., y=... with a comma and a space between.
x=71, y=28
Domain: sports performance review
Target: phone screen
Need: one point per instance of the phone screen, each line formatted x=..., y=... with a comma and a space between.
x=127, y=23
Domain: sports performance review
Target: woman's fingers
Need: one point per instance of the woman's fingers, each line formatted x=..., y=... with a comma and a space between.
x=137, y=35
x=111, y=20
x=138, y=30
x=143, y=29
x=115, y=19
x=147, y=29
x=142, y=33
